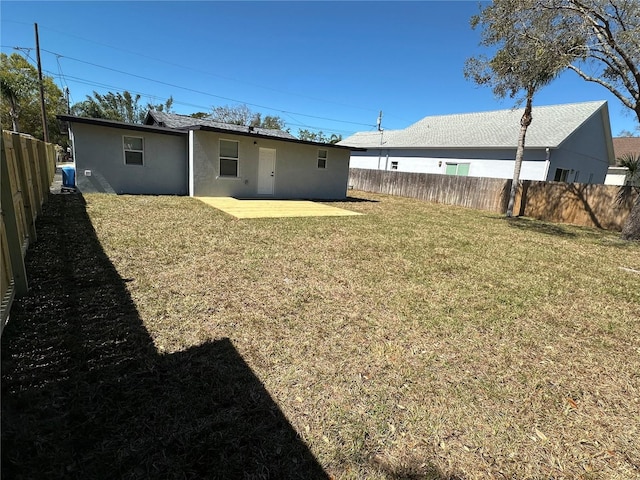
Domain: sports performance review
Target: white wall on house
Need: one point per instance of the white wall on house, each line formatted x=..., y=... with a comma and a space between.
x=482, y=163
x=584, y=153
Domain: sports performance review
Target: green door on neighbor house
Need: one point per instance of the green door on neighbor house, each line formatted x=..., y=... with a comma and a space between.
x=461, y=169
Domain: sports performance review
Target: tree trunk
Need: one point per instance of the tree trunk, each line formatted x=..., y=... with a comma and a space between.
x=525, y=121
x=631, y=229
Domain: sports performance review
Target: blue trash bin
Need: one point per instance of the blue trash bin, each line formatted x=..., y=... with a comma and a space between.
x=68, y=177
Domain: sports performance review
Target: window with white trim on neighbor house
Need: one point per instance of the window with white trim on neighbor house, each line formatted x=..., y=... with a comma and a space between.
x=461, y=169
x=322, y=159
x=133, y=150
x=229, y=158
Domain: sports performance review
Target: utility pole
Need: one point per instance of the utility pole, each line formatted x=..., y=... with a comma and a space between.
x=381, y=130
x=43, y=108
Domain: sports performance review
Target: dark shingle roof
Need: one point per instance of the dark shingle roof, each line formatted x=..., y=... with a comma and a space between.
x=174, y=120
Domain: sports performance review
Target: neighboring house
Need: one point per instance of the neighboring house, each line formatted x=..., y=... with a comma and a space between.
x=180, y=155
x=622, y=146
x=568, y=143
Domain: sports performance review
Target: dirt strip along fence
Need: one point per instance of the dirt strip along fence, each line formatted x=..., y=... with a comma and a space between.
x=593, y=205
x=28, y=167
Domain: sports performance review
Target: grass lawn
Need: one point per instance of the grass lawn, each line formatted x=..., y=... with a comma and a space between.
x=415, y=341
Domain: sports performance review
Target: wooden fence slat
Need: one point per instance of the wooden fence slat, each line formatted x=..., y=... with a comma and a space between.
x=26, y=186
x=602, y=206
x=11, y=220
x=27, y=168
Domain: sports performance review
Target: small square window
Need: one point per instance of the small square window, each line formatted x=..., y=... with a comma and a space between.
x=394, y=165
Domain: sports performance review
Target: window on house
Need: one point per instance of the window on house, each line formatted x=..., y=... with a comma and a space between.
x=133, y=150
x=461, y=169
x=229, y=158
x=561, y=175
x=575, y=179
x=322, y=159
x=394, y=165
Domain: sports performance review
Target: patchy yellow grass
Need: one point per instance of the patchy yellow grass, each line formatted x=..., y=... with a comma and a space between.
x=415, y=341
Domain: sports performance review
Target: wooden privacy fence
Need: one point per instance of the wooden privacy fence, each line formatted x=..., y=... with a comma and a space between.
x=602, y=206
x=28, y=167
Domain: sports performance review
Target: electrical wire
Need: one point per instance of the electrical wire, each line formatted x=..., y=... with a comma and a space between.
x=178, y=102
x=200, y=92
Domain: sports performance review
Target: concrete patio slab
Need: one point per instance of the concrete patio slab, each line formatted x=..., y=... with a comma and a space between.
x=258, y=208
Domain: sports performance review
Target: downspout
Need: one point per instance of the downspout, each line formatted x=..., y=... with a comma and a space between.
x=190, y=163
x=547, y=164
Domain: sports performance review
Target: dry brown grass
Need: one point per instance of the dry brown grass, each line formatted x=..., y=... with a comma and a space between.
x=416, y=341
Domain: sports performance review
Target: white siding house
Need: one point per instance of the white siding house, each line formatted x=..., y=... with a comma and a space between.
x=570, y=143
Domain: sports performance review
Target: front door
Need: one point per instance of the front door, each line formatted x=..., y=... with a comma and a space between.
x=266, y=171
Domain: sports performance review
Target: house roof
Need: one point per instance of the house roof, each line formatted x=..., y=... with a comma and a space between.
x=121, y=125
x=626, y=145
x=264, y=133
x=174, y=120
x=551, y=126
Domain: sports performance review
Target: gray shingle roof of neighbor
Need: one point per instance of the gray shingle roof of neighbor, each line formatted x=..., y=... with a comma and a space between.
x=551, y=126
x=174, y=120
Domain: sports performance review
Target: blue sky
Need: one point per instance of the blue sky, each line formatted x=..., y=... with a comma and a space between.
x=329, y=66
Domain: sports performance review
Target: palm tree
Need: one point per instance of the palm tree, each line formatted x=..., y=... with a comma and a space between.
x=632, y=163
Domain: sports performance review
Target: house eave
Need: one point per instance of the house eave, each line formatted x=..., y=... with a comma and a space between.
x=272, y=137
x=101, y=122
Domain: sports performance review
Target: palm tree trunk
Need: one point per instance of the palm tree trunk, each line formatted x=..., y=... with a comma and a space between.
x=631, y=229
x=525, y=121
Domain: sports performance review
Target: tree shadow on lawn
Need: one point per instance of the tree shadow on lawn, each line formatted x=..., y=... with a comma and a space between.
x=86, y=395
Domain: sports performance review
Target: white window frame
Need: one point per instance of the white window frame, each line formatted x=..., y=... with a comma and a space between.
x=220, y=158
x=457, y=165
x=125, y=150
x=322, y=159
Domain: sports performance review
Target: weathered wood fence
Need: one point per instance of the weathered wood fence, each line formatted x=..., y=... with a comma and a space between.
x=602, y=206
x=28, y=166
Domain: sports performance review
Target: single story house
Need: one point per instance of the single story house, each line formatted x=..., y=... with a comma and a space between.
x=180, y=155
x=568, y=143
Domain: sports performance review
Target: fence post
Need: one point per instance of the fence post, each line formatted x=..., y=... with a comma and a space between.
x=10, y=219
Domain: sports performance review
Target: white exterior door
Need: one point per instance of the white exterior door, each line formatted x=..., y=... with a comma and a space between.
x=266, y=171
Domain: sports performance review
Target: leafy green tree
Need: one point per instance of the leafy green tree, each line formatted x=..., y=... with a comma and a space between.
x=123, y=107
x=319, y=136
x=520, y=67
x=20, y=106
x=606, y=38
x=597, y=39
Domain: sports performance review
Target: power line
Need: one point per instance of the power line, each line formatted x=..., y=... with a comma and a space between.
x=285, y=112
x=204, y=72
x=178, y=102
x=200, y=92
